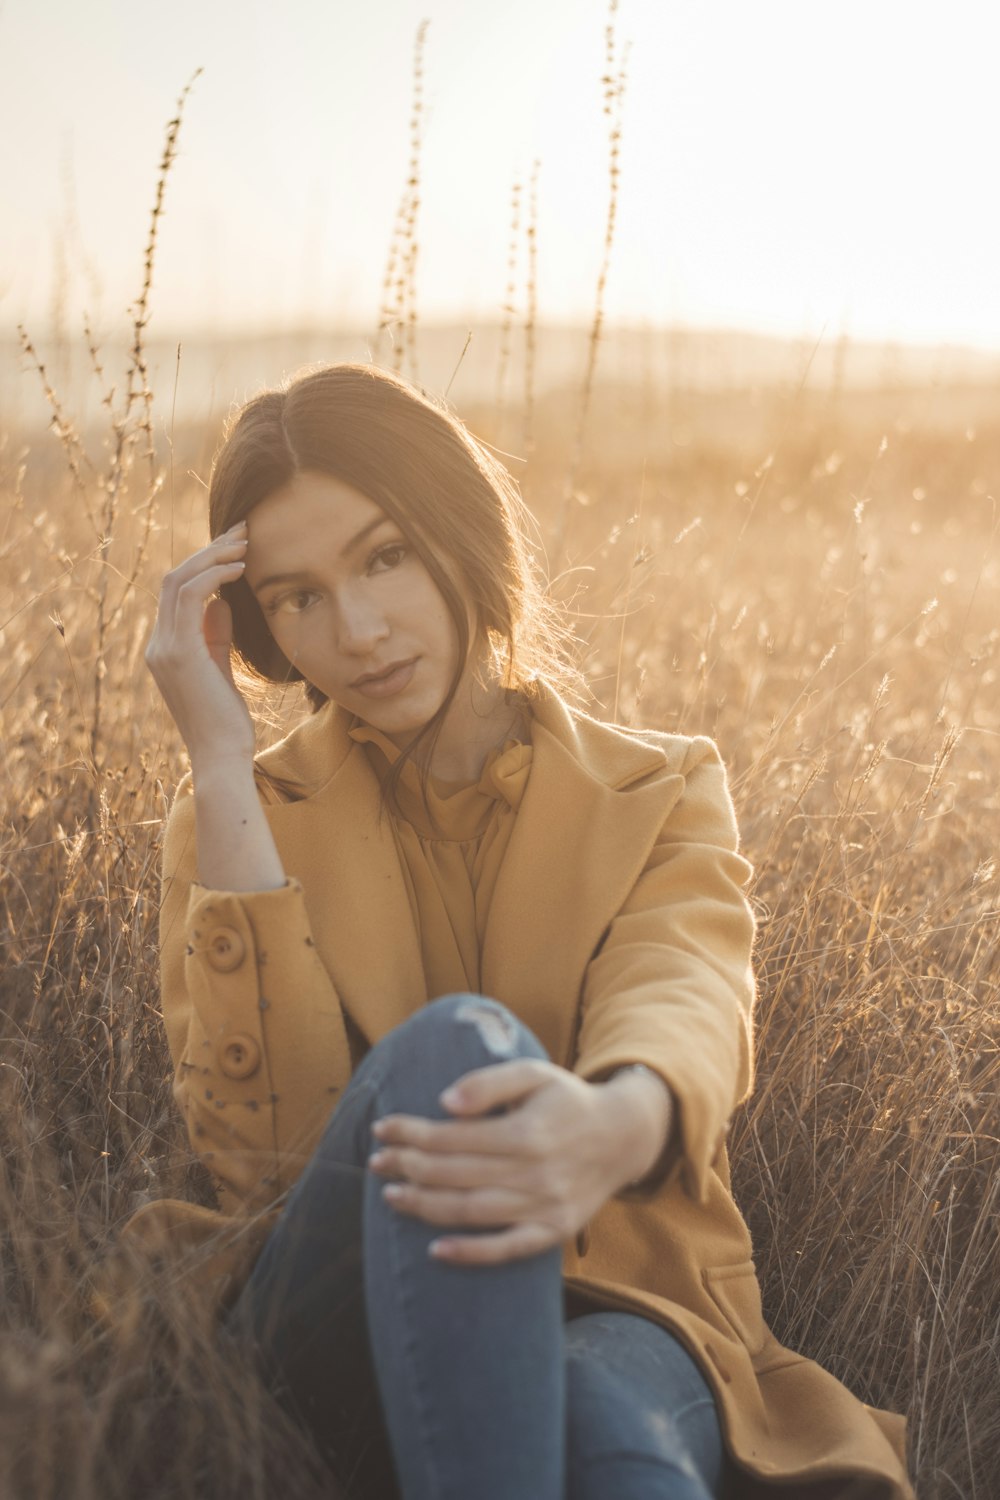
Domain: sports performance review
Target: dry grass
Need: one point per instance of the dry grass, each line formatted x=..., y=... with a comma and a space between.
x=861, y=725
x=836, y=630
x=821, y=595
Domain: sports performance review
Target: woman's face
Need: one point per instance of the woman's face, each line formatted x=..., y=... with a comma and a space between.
x=344, y=594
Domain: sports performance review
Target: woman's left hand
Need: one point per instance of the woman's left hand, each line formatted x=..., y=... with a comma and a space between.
x=536, y=1173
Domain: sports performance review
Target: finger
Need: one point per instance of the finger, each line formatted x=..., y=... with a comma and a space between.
x=516, y=1243
x=500, y=1083
x=217, y=626
x=198, y=577
x=485, y=1208
x=226, y=548
x=192, y=596
x=437, y=1170
x=502, y=1136
x=180, y=614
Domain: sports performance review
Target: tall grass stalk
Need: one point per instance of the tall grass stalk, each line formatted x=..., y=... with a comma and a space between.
x=399, y=292
x=531, y=315
x=614, y=97
x=508, y=308
x=121, y=452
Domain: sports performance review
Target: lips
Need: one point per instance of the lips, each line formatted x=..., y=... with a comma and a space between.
x=381, y=676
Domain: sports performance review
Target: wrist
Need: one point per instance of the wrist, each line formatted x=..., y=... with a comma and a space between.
x=644, y=1103
x=213, y=766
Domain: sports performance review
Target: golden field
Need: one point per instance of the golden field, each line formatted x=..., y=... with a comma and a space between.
x=822, y=597
x=813, y=578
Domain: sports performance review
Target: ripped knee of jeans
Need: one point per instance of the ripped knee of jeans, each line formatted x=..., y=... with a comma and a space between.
x=495, y=1027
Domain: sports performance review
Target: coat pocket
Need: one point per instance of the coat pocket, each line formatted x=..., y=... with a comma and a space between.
x=735, y=1291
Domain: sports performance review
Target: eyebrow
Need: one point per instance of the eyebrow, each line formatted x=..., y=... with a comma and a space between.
x=294, y=577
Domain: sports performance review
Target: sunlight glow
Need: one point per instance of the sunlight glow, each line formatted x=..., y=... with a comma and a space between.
x=784, y=167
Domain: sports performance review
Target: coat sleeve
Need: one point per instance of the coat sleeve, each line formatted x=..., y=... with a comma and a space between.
x=229, y=963
x=672, y=985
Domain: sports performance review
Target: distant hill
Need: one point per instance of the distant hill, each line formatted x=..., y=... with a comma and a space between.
x=216, y=372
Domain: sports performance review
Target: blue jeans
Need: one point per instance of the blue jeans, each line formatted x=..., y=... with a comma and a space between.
x=440, y=1382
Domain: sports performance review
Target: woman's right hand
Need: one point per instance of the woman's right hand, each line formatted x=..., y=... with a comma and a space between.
x=189, y=653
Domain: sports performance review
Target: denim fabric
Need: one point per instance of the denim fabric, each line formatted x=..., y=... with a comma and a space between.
x=430, y=1381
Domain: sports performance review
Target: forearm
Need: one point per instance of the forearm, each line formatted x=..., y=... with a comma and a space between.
x=235, y=965
x=236, y=849
x=641, y=1120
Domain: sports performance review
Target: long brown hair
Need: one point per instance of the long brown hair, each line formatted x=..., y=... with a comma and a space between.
x=459, y=506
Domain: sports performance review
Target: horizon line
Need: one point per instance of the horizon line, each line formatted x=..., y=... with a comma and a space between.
x=261, y=333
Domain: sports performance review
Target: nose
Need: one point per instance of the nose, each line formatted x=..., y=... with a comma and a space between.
x=360, y=625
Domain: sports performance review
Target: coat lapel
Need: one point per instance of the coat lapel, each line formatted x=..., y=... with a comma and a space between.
x=359, y=910
x=578, y=846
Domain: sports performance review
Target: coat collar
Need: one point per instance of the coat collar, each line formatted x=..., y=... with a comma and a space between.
x=578, y=845
x=315, y=751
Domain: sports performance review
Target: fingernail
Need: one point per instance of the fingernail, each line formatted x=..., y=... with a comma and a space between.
x=392, y=1190
x=451, y=1096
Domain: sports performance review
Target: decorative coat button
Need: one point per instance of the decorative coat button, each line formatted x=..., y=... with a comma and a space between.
x=226, y=949
x=239, y=1056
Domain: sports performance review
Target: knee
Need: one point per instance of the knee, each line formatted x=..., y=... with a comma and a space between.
x=455, y=1034
x=488, y=1023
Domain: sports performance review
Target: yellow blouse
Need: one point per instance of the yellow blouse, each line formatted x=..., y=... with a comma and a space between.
x=450, y=875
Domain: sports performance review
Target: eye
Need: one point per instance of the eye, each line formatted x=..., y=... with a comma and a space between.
x=292, y=602
x=392, y=555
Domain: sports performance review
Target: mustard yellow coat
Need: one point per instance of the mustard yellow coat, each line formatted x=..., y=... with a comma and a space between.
x=618, y=931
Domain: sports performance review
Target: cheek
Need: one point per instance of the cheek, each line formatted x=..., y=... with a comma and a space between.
x=292, y=636
x=428, y=606
x=446, y=635
x=281, y=628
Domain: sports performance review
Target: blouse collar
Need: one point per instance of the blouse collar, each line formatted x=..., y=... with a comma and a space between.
x=462, y=808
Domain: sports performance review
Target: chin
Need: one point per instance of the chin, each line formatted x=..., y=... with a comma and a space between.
x=395, y=720
x=405, y=715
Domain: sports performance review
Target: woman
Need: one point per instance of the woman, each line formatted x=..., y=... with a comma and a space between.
x=411, y=958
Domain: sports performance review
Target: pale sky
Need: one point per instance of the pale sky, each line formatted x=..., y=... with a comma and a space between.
x=785, y=164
